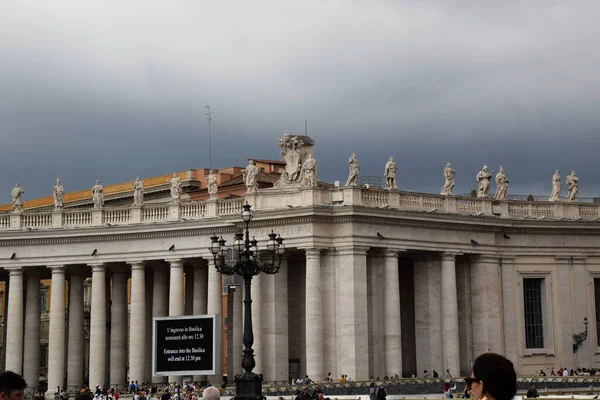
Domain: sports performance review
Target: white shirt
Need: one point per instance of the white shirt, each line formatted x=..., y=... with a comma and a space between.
x=565, y=373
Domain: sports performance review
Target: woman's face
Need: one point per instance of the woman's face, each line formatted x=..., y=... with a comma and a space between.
x=476, y=387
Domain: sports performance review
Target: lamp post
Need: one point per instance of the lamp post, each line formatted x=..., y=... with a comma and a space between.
x=579, y=338
x=246, y=263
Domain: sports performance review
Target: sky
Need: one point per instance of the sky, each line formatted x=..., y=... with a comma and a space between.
x=111, y=90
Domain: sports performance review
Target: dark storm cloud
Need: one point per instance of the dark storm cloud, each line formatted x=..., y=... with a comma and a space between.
x=112, y=90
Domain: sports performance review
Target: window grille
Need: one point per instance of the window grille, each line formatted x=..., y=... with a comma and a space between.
x=532, y=305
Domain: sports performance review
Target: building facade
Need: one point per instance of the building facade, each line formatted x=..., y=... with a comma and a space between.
x=374, y=283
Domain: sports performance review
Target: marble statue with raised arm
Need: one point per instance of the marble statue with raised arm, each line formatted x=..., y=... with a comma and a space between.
x=354, y=169
x=211, y=183
x=309, y=171
x=501, y=185
x=98, y=195
x=138, y=192
x=556, y=187
x=17, y=198
x=449, y=174
x=572, y=186
x=175, y=187
x=58, y=192
x=250, y=177
x=483, y=182
x=390, y=174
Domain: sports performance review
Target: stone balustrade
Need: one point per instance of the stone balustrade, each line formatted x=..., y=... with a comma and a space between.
x=273, y=199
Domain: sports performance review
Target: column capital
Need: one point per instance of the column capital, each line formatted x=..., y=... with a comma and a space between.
x=563, y=259
x=355, y=250
x=449, y=256
x=14, y=271
x=175, y=263
x=97, y=266
x=389, y=252
x=312, y=252
x=579, y=259
x=487, y=258
x=137, y=265
x=57, y=269
x=508, y=258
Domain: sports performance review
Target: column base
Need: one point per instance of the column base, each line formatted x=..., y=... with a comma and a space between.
x=248, y=386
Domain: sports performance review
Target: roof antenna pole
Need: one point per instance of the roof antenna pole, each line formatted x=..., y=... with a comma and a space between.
x=209, y=144
x=305, y=128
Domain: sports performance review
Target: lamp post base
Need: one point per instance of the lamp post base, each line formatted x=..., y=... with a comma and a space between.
x=248, y=386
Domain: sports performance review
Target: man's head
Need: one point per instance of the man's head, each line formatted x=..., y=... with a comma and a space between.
x=211, y=393
x=11, y=386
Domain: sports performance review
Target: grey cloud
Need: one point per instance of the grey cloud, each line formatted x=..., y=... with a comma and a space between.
x=111, y=90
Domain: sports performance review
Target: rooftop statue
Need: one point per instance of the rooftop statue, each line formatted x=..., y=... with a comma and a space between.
x=556, y=187
x=449, y=174
x=58, y=192
x=501, y=185
x=138, y=192
x=295, y=152
x=211, y=183
x=250, y=177
x=309, y=171
x=483, y=182
x=176, y=188
x=572, y=186
x=353, y=170
x=17, y=198
x=98, y=195
x=390, y=174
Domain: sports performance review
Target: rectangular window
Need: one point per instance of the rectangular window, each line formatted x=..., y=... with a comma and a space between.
x=533, y=313
x=44, y=330
x=43, y=356
x=597, y=302
x=44, y=301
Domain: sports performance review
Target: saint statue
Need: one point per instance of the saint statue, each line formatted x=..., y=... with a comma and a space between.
x=58, y=191
x=501, y=185
x=449, y=174
x=211, y=183
x=572, y=186
x=17, y=198
x=98, y=195
x=556, y=187
x=176, y=187
x=309, y=171
x=250, y=175
x=138, y=192
x=354, y=169
x=483, y=182
x=390, y=174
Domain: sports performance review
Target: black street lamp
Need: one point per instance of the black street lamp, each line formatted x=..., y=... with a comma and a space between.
x=579, y=338
x=246, y=263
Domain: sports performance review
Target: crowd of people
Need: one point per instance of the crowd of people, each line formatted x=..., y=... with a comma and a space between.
x=573, y=372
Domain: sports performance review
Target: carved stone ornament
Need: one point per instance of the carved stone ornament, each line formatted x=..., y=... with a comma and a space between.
x=250, y=177
x=98, y=195
x=501, y=185
x=483, y=182
x=353, y=171
x=390, y=174
x=556, y=187
x=572, y=182
x=138, y=192
x=176, y=188
x=300, y=165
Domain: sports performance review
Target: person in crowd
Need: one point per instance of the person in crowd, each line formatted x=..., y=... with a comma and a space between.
x=211, y=393
x=542, y=373
x=12, y=386
x=493, y=378
x=435, y=374
x=532, y=393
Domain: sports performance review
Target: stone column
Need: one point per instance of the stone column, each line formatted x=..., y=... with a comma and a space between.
x=98, y=354
x=580, y=311
x=189, y=291
x=160, y=299
x=31, y=349
x=148, y=319
x=14, y=322
x=564, y=323
x=353, y=312
x=509, y=309
x=486, y=297
x=392, y=317
x=214, y=304
x=314, y=322
x=76, y=339
x=176, y=305
x=199, y=299
x=137, y=323
x=257, y=322
x=56, y=340
x=118, y=328
x=450, y=342
x=328, y=298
